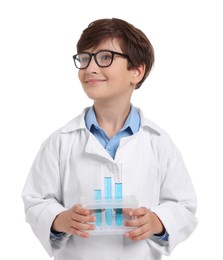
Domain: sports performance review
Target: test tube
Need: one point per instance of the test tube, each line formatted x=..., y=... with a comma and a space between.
x=108, y=193
x=97, y=193
x=118, y=194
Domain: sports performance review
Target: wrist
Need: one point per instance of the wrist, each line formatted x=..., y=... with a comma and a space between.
x=159, y=229
x=56, y=226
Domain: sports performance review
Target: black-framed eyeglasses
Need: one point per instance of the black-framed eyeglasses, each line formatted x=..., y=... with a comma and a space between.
x=103, y=58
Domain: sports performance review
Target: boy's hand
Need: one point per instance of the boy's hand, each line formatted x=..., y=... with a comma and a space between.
x=144, y=222
x=74, y=221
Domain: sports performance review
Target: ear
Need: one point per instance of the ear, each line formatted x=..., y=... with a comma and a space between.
x=138, y=73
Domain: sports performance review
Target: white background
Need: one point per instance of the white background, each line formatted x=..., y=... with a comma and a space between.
x=40, y=91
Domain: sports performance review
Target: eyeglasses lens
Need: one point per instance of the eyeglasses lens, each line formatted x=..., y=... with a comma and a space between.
x=102, y=58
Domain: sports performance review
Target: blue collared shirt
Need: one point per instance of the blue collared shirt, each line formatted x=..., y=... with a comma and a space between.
x=130, y=127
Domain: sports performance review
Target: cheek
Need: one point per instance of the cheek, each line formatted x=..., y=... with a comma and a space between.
x=80, y=75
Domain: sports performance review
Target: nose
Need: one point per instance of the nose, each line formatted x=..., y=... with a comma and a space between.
x=92, y=67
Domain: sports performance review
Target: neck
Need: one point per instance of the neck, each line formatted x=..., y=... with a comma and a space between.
x=111, y=118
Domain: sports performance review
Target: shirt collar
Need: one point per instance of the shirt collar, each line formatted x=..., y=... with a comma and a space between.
x=90, y=118
x=79, y=122
x=132, y=121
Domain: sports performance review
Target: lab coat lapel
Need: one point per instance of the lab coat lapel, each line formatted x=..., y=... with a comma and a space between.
x=94, y=147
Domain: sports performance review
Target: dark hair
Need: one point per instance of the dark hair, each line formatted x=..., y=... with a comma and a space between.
x=133, y=42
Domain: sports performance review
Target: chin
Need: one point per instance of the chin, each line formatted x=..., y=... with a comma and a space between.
x=92, y=96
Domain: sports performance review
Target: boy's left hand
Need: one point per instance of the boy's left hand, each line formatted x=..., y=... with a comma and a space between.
x=145, y=223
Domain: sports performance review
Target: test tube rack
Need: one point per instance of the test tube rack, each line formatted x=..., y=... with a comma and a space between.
x=114, y=229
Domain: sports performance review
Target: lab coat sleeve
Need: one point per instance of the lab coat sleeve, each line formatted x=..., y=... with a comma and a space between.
x=177, y=203
x=42, y=195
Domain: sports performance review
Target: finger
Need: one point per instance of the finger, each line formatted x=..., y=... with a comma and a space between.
x=127, y=211
x=137, y=221
x=138, y=237
x=82, y=226
x=78, y=232
x=140, y=233
x=139, y=212
x=80, y=210
x=83, y=218
x=82, y=214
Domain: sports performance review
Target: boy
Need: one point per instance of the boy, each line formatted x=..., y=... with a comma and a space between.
x=114, y=58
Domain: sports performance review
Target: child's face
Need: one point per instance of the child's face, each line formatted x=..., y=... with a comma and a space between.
x=113, y=83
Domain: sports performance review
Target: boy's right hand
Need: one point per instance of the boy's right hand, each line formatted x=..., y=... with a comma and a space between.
x=74, y=221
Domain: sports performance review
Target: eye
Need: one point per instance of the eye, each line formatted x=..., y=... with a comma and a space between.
x=105, y=56
x=83, y=58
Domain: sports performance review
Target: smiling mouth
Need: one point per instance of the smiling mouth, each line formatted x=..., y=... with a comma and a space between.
x=93, y=81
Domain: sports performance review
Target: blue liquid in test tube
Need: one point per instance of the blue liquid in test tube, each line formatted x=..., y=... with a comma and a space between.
x=118, y=195
x=97, y=212
x=97, y=193
x=108, y=197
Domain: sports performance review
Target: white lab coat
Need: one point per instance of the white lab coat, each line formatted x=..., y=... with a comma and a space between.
x=152, y=170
